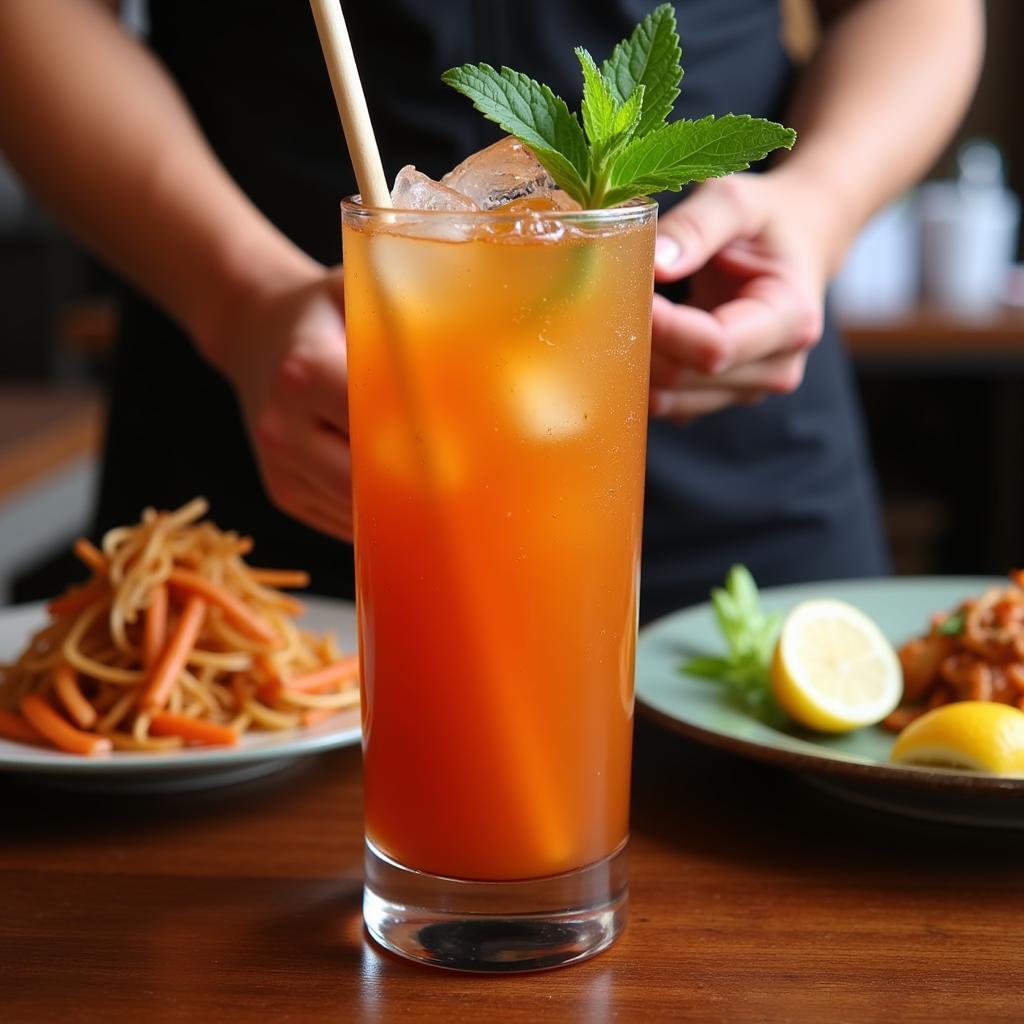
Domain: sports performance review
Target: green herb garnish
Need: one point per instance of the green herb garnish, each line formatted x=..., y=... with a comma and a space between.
x=750, y=637
x=952, y=625
x=624, y=148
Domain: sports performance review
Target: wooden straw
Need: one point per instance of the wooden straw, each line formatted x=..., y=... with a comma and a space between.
x=547, y=820
x=348, y=94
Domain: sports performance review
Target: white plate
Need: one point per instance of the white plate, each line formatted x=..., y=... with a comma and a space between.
x=257, y=754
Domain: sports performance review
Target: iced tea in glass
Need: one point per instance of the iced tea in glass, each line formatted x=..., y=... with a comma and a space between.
x=498, y=378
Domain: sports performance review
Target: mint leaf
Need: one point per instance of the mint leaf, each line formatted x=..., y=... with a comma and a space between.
x=650, y=57
x=743, y=589
x=608, y=123
x=728, y=618
x=535, y=115
x=750, y=637
x=627, y=117
x=708, y=668
x=599, y=106
x=685, y=151
x=624, y=125
x=624, y=148
x=769, y=635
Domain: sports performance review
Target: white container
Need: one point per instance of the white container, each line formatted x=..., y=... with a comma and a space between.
x=881, y=275
x=969, y=235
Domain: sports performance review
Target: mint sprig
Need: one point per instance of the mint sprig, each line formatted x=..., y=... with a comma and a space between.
x=649, y=57
x=750, y=636
x=624, y=148
x=685, y=151
x=532, y=113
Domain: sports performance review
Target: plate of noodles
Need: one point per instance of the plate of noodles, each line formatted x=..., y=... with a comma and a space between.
x=176, y=665
x=916, y=614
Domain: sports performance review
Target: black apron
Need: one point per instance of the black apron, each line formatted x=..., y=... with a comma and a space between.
x=784, y=487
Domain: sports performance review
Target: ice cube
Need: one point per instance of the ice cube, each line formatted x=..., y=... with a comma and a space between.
x=414, y=190
x=546, y=403
x=504, y=173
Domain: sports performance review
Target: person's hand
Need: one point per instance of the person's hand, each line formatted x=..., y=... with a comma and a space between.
x=284, y=352
x=758, y=257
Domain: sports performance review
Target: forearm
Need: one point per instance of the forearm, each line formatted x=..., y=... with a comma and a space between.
x=102, y=136
x=880, y=99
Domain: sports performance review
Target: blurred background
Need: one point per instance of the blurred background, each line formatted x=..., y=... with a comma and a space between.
x=931, y=298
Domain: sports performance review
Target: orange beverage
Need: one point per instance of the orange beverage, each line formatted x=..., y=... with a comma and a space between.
x=498, y=376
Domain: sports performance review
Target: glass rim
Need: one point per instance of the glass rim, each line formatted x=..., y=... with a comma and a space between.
x=635, y=210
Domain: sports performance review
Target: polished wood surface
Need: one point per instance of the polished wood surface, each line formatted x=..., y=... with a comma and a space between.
x=929, y=334
x=754, y=899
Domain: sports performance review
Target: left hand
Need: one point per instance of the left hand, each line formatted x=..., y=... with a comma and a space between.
x=758, y=254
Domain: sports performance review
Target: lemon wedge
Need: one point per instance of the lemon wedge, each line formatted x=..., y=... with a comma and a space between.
x=974, y=735
x=834, y=670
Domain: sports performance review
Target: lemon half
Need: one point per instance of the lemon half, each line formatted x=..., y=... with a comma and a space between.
x=974, y=735
x=834, y=670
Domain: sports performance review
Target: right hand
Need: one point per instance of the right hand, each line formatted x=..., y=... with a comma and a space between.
x=757, y=249
x=284, y=352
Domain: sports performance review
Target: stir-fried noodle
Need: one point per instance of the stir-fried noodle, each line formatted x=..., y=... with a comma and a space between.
x=173, y=640
x=973, y=653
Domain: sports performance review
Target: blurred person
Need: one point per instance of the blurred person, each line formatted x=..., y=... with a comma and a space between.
x=207, y=167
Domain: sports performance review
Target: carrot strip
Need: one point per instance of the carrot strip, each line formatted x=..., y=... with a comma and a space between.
x=154, y=630
x=194, y=730
x=235, y=609
x=343, y=671
x=14, y=727
x=65, y=680
x=240, y=692
x=59, y=732
x=269, y=692
x=290, y=605
x=293, y=579
x=311, y=716
x=175, y=655
x=267, y=667
x=76, y=599
x=91, y=555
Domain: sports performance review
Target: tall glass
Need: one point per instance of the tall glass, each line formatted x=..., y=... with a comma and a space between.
x=498, y=376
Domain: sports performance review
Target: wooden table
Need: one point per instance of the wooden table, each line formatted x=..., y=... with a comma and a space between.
x=754, y=899
x=933, y=337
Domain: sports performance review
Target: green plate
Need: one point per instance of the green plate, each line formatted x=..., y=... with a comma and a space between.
x=855, y=766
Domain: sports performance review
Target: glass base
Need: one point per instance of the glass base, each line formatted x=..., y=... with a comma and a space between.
x=531, y=925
